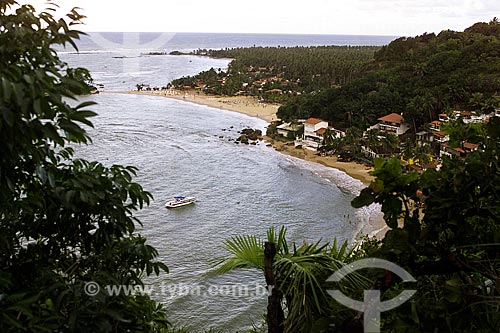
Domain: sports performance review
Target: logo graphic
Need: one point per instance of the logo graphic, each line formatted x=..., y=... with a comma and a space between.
x=371, y=305
x=92, y=288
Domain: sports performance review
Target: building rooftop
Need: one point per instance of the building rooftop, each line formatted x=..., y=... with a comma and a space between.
x=321, y=131
x=470, y=146
x=440, y=134
x=313, y=121
x=392, y=118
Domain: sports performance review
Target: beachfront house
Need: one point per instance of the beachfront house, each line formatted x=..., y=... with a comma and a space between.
x=313, y=132
x=290, y=130
x=393, y=123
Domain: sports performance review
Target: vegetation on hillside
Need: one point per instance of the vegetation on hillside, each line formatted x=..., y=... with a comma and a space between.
x=67, y=225
x=444, y=226
x=276, y=73
x=448, y=237
x=420, y=77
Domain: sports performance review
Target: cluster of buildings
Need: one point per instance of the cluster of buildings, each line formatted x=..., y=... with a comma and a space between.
x=314, y=131
x=436, y=135
x=310, y=133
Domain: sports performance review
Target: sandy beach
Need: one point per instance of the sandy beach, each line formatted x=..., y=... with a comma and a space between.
x=242, y=104
x=355, y=170
x=252, y=107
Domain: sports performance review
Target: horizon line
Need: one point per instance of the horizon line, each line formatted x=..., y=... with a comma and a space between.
x=246, y=33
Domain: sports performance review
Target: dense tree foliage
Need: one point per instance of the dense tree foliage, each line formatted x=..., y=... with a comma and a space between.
x=64, y=222
x=419, y=77
x=445, y=230
x=289, y=69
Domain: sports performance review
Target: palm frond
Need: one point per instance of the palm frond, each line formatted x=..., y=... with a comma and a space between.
x=303, y=274
x=246, y=252
x=271, y=235
x=280, y=241
x=301, y=280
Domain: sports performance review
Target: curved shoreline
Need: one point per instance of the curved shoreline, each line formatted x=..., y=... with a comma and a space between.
x=251, y=107
x=375, y=226
x=354, y=170
x=247, y=105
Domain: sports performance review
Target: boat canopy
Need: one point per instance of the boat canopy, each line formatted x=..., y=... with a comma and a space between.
x=180, y=197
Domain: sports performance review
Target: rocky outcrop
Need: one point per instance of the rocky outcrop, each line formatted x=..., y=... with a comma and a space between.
x=243, y=139
x=250, y=136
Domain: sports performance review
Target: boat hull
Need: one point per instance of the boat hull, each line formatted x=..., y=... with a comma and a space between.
x=180, y=203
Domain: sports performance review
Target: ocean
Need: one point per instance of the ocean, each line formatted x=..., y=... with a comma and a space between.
x=187, y=149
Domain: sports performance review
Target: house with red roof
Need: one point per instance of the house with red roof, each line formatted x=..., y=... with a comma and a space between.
x=459, y=152
x=314, y=131
x=393, y=123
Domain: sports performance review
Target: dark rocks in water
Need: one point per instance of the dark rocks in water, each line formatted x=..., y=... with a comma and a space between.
x=243, y=139
x=249, y=136
x=221, y=137
x=252, y=134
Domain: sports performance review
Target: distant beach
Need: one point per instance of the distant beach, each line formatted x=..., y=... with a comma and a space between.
x=242, y=104
x=250, y=106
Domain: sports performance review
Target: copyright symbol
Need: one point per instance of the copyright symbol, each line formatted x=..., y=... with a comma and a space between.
x=92, y=288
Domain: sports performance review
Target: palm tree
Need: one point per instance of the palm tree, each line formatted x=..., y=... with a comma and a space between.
x=476, y=100
x=390, y=143
x=328, y=138
x=372, y=140
x=407, y=151
x=352, y=139
x=298, y=273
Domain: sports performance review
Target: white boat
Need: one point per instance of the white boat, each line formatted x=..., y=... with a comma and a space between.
x=180, y=201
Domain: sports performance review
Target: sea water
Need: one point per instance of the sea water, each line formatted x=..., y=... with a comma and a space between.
x=187, y=149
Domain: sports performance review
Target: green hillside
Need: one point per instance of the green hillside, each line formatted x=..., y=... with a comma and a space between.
x=420, y=77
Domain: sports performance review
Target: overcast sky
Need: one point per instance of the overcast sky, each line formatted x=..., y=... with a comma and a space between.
x=368, y=17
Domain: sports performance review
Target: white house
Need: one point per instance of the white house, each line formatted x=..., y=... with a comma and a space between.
x=435, y=125
x=289, y=129
x=392, y=123
x=443, y=117
x=441, y=136
x=313, y=132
